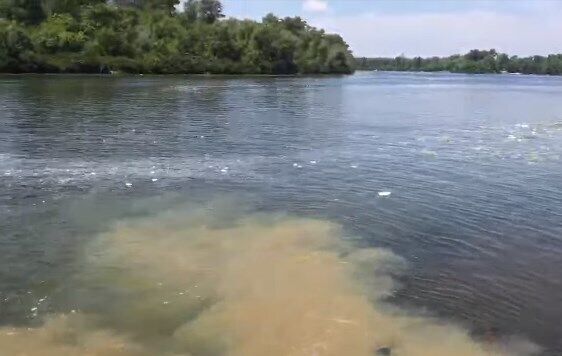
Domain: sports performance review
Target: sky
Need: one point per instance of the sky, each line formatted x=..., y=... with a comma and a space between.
x=424, y=28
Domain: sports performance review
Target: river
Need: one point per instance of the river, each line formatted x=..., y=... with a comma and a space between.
x=439, y=195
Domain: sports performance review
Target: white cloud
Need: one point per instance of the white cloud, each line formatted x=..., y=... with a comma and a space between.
x=315, y=5
x=430, y=34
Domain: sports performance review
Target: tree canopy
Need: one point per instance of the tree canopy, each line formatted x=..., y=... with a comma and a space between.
x=151, y=36
x=475, y=61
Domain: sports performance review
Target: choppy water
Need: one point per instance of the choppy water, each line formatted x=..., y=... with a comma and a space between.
x=92, y=168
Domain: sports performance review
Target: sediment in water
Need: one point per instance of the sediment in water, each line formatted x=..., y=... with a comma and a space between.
x=187, y=283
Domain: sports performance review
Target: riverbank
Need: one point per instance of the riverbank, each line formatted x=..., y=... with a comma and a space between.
x=446, y=72
x=474, y=62
x=103, y=38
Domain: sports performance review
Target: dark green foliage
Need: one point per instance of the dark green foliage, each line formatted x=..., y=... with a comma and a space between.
x=475, y=61
x=33, y=12
x=190, y=11
x=210, y=10
x=151, y=37
x=15, y=48
x=160, y=5
x=22, y=11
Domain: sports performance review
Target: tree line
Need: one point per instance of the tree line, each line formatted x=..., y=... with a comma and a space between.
x=151, y=36
x=475, y=61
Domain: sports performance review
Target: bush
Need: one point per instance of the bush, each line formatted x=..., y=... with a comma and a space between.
x=16, y=49
x=93, y=36
x=60, y=33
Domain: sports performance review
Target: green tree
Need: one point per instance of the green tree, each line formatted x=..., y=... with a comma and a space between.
x=60, y=33
x=73, y=7
x=553, y=64
x=15, y=47
x=210, y=10
x=475, y=61
x=168, y=6
x=270, y=19
x=295, y=24
x=29, y=12
x=94, y=36
x=502, y=62
x=190, y=11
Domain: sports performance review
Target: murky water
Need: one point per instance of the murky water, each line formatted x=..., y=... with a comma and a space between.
x=290, y=216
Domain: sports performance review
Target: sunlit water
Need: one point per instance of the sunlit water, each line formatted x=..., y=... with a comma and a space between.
x=286, y=216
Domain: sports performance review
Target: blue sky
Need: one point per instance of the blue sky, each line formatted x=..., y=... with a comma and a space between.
x=426, y=28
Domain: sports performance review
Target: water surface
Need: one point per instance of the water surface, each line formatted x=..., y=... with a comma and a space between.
x=472, y=163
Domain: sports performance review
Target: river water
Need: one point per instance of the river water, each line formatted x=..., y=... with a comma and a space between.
x=421, y=213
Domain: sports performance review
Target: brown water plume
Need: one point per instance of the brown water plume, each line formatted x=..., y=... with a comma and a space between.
x=187, y=284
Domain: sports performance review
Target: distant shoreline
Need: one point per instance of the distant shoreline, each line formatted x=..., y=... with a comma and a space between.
x=257, y=76
x=474, y=62
x=465, y=73
x=198, y=75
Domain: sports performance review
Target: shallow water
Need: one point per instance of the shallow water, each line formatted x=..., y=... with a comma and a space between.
x=118, y=194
